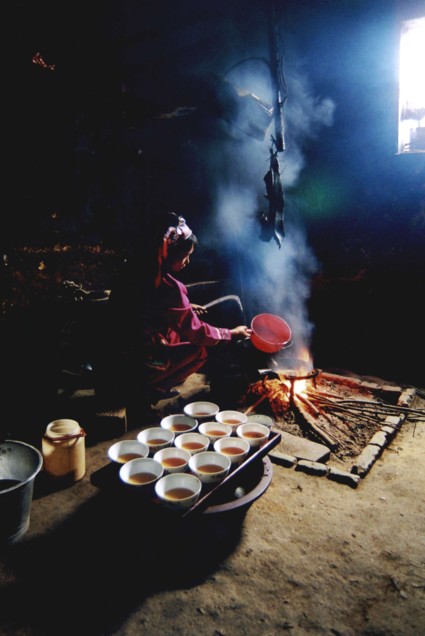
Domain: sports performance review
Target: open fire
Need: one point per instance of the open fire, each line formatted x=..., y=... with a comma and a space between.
x=341, y=412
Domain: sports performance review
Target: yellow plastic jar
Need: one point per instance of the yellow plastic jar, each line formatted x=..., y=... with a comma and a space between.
x=64, y=451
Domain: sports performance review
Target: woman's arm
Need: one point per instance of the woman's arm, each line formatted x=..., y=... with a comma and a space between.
x=186, y=325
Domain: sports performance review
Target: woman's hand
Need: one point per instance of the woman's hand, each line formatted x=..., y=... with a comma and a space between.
x=241, y=332
x=199, y=309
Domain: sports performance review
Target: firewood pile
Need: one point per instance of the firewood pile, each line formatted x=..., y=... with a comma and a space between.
x=342, y=412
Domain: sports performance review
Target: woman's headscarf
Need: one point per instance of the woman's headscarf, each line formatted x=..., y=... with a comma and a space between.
x=177, y=231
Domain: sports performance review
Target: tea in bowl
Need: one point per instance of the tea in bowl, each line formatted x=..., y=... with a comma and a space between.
x=156, y=438
x=210, y=467
x=256, y=434
x=178, y=491
x=231, y=418
x=179, y=423
x=141, y=473
x=214, y=430
x=201, y=410
x=192, y=442
x=236, y=448
x=174, y=460
x=126, y=449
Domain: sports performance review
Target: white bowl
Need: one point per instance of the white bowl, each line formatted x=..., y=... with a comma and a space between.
x=214, y=430
x=236, y=448
x=210, y=467
x=173, y=459
x=156, y=438
x=255, y=434
x=127, y=449
x=192, y=442
x=141, y=472
x=201, y=410
x=179, y=490
x=179, y=423
x=261, y=419
x=231, y=418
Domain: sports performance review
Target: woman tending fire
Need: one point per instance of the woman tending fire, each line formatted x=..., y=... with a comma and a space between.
x=159, y=336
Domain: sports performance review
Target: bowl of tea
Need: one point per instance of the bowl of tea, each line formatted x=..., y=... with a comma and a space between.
x=141, y=473
x=179, y=423
x=236, y=448
x=126, y=449
x=232, y=418
x=201, y=410
x=192, y=442
x=209, y=466
x=178, y=490
x=214, y=430
x=255, y=434
x=156, y=437
x=173, y=459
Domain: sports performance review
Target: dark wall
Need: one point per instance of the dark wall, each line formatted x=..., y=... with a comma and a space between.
x=126, y=124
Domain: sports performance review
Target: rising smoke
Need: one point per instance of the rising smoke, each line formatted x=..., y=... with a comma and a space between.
x=272, y=279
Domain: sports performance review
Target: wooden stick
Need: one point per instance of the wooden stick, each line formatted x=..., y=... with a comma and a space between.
x=253, y=406
x=366, y=405
x=311, y=406
x=303, y=405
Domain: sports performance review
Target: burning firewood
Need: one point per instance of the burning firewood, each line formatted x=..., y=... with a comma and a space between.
x=311, y=416
x=343, y=412
x=277, y=393
x=251, y=408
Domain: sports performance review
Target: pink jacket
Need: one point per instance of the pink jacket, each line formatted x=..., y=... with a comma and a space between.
x=182, y=323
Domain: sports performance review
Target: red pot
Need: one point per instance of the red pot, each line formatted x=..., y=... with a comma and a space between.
x=270, y=333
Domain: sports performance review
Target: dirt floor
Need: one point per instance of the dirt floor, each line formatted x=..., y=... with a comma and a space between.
x=310, y=556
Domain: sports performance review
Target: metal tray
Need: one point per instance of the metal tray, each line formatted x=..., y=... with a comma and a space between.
x=208, y=497
x=107, y=479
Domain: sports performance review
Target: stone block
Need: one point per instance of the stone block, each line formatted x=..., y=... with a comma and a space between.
x=406, y=398
x=366, y=459
x=372, y=386
x=303, y=448
x=395, y=421
x=390, y=431
x=312, y=468
x=343, y=477
x=282, y=459
x=379, y=439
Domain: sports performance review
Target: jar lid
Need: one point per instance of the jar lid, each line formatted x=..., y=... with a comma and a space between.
x=64, y=429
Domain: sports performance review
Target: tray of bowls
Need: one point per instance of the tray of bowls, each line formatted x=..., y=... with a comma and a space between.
x=186, y=462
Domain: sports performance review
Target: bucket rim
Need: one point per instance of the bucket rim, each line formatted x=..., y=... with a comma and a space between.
x=36, y=469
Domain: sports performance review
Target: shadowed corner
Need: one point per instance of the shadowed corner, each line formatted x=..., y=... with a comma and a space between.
x=79, y=570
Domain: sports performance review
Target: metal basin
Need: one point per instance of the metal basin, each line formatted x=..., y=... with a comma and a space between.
x=19, y=465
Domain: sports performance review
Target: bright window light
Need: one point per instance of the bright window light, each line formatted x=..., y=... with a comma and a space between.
x=411, y=116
